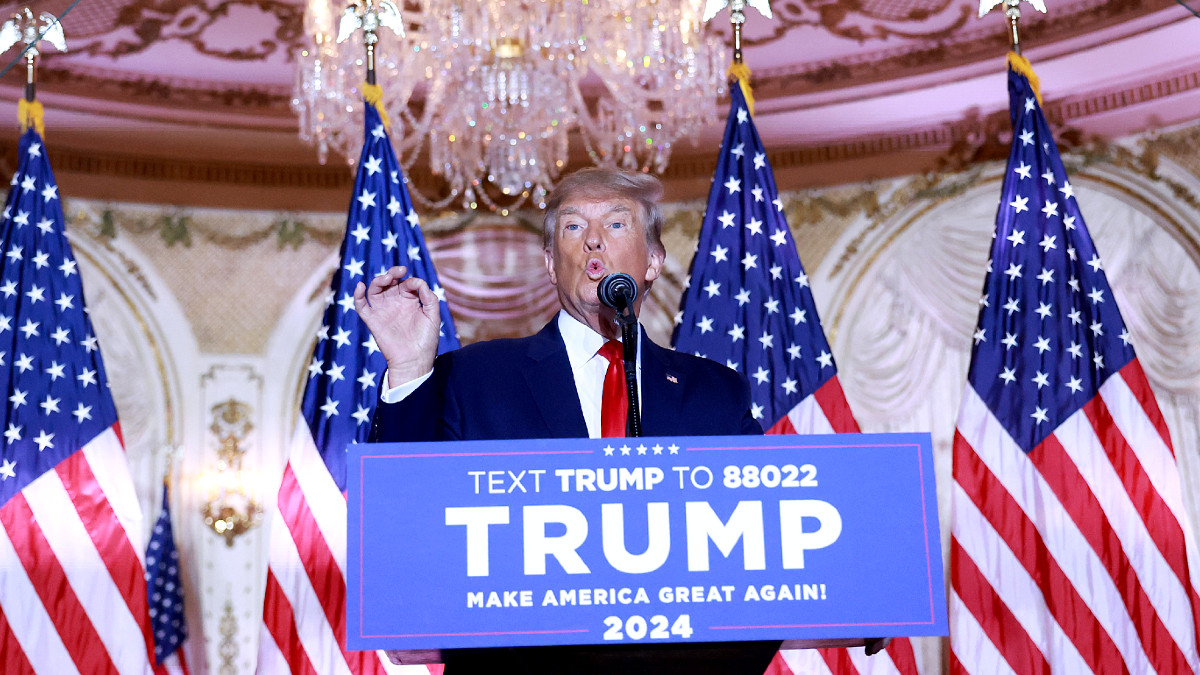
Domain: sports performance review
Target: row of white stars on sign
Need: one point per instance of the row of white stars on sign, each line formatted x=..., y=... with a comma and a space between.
x=641, y=449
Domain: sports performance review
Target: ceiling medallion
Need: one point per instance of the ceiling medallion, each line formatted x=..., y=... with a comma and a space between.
x=489, y=96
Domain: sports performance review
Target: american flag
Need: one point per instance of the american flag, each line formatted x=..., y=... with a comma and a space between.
x=749, y=305
x=304, y=614
x=1068, y=548
x=72, y=584
x=166, y=595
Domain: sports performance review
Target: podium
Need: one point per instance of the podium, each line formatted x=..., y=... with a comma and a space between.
x=625, y=555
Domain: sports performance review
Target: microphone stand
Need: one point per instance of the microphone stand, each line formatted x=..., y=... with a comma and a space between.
x=629, y=337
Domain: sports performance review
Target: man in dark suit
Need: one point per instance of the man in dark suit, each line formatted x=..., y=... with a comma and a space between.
x=552, y=385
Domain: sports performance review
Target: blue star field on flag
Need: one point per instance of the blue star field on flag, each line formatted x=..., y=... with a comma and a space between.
x=748, y=303
x=56, y=394
x=1049, y=331
x=163, y=587
x=382, y=231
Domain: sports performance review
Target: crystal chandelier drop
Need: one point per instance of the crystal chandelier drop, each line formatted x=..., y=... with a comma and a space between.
x=490, y=95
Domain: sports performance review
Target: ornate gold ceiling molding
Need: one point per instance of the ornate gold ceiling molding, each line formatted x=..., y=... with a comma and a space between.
x=950, y=44
x=962, y=47
x=115, y=87
x=970, y=140
x=116, y=29
x=861, y=20
x=959, y=143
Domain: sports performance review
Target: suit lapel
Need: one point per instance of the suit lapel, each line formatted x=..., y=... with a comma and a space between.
x=552, y=384
x=662, y=392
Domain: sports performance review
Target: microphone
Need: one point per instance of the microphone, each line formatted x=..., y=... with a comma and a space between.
x=617, y=290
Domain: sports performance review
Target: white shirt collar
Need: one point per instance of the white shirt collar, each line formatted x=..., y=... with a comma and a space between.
x=582, y=342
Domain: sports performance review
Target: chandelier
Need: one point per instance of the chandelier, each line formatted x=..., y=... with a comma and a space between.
x=490, y=95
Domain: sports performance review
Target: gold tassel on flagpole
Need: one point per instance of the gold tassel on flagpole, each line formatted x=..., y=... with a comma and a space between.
x=374, y=14
x=1012, y=10
x=1021, y=65
x=740, y=73
x=373, y=95
x=31, y=115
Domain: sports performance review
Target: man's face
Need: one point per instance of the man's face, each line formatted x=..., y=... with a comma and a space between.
x=595, y=237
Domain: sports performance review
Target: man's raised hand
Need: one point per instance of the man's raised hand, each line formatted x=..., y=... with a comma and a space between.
x=405, y=317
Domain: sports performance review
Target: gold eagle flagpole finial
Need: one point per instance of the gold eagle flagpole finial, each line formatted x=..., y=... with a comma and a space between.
x=1012, y=9
x=369, y=16
x=737, y=18
x=23, y=28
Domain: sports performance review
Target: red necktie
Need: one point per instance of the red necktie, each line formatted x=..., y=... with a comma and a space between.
x=615, y=404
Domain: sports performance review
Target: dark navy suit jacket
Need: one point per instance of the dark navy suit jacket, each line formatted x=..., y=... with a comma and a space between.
x=524, y=388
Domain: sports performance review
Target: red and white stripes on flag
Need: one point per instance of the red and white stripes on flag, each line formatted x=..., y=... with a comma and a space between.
x=749, y=305
x=1071, y=558
x=306, y=585
x=72, y=573
x=72, y=591
x=826, y=411
x=304, y=612
x=175, y=664
x=1069, y=549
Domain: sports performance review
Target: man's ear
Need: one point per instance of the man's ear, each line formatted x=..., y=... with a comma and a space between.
x=550, y=265
x=654, y=266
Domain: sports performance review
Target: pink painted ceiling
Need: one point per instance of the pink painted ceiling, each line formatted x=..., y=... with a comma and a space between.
x=212, y=78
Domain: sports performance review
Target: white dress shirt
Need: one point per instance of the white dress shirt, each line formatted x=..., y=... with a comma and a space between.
x=587, y=367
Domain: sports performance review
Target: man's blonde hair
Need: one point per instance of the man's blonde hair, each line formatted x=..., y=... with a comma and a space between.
x=599, y=182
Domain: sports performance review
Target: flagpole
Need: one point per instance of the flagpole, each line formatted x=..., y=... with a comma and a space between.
x=737, y=17
x=30, y=86
x=1012, y=10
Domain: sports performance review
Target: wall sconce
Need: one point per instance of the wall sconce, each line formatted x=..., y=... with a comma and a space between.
x=231, y=508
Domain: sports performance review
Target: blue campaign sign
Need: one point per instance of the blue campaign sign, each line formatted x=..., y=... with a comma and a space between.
x=642, y=540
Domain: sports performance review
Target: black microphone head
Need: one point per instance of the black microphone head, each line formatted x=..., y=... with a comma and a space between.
x=617, y=290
